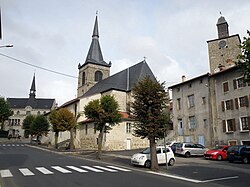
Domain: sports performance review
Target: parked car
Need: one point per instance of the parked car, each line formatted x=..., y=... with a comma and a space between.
x=174, y=145
x=217, y=153
x=239, y=153
x=143, y=158
x=190, y=149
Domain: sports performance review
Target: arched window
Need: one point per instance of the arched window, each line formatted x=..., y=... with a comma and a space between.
x=98, y=76
x=83, y=78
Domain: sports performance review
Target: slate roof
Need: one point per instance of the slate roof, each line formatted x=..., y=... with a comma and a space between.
x=17, y=103
x=123, y=81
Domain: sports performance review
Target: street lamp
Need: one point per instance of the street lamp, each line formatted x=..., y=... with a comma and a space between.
x=9, y=45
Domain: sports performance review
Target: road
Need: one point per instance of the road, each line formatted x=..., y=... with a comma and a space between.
x=25, y=166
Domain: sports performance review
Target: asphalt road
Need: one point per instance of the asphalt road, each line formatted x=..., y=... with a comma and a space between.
x=25, y=166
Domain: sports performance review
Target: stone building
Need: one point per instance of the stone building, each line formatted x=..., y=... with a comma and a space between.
x=23, y=107
x=223, y=114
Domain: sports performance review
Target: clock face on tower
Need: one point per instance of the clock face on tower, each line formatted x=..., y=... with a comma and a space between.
x=222, y=43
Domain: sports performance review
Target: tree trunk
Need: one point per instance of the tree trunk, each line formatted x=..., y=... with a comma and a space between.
x=100, y=139
x=56, y=139
x=153, y=155
x=72, y=138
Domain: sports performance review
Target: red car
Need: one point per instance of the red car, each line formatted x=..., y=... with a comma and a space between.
x=217, y=153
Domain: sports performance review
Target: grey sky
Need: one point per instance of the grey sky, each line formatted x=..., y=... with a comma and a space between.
x=56, y=34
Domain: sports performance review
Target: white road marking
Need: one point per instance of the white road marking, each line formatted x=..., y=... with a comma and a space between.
x=44, y=170
x=26, y=172
x=117, y=168
x=17, y=145
x=77, y=169
x=92, y=169
x=106, y=169
x=58, y=168
x=3, y=144
x=220, y=179
x=13, y=145
x=5, y=173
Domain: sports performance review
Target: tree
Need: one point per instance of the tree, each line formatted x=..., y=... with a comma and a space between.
x=243, y=62
x=61, y=120
x=39, y=126
x=105, y=114
x=148, y=111
x=27, y=123
x=5, y=111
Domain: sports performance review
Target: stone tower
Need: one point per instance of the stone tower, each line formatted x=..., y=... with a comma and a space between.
x=94, y=68
x=224, y=50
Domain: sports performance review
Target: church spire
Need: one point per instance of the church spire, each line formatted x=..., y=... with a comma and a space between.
x=94, y=55
x=33, y=88
x=222, y=27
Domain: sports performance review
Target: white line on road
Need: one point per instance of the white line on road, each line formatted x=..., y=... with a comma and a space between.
x=106, y=169
x=92, y=169
x=44, y=170
x=5, y=173
x=220, y=179
x=77, y=169
x=26, y=172
x=58, y=168
x=117, y=168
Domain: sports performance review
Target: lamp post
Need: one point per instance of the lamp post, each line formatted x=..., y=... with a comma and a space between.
x=9, y=45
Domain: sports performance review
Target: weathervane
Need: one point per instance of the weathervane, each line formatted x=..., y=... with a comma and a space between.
x=96, y=12
x=144, y=58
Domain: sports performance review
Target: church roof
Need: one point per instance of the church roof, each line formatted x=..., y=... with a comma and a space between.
x=94, y=55
x=17, y=103
x=123, y=80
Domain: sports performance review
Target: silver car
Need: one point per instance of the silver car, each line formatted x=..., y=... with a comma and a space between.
x=188, y=149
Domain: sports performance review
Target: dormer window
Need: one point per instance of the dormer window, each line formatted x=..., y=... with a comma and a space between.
x=98, y=76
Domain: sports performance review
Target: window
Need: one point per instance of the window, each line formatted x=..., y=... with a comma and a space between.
x=191, y=101
x=98, y=76
x=232, y=142
x=229, y=125
x=178, y=89
x=27, y=113
x=178, y=103
x=239, y=83
x=244, y=123
x=205, y=123
x=192, y=122
x=18, y=112
x=229, y=104
x=86, y=129
x=128, y=127
x=201, y=81
x=190, y=85
x=243, y=101
x=83, y=78
x=203, y=101
x=225, y=87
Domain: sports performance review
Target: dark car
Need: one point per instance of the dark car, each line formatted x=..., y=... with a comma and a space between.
x=239, y=153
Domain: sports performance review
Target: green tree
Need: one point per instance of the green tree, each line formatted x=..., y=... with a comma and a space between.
x=243, y=62
x=105, y=114
x=61, y=120
x=5, y=111
x=27, y=123
x=40, y=126
x=148, y=111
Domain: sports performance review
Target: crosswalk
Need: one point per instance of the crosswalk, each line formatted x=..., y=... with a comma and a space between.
x=12, y=145
x=7, y=173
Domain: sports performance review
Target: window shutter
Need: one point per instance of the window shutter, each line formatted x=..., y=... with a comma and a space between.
x=232, y=104
x=248, y=122
x=235, y=84
x=225, y=86
x=222, y=106
x=236, y=103
x=234, y=124
x=246, y=100
x=224, y=125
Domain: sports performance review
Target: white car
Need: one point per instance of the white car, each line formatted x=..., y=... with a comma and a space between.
x=143, y=158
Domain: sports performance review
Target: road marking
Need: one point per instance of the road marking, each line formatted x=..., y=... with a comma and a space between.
x=220, y=179
x=106, y=169
x=3, y=144
x=77, y=169
x=44, y=170
x=26, y=172
x=58, y=168
x=117, y=168
x=92, y=169
x=17, y=145
x=5, y=173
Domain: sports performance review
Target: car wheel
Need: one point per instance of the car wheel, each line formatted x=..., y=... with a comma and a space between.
x=187, y=154
x=171, y=162
x=147, y=164
x=245, y=160
x=219, y=157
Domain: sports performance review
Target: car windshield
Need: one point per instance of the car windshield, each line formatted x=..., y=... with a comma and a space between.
x=217, y=148
x=146, y=151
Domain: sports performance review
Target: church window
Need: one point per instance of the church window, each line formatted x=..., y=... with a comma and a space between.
x=98, y=76
x=83, y=78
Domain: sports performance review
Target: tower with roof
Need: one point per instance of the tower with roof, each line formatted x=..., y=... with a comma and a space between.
x=223, y=51
x=94, y=69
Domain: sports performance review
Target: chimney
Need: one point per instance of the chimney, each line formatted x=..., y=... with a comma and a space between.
x=183, y=78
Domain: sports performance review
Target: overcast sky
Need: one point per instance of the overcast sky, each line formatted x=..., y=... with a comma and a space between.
x=56, y=34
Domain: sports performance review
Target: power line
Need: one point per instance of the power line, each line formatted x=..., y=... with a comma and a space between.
x=39, y=67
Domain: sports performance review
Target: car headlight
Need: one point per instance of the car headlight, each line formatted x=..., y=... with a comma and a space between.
x=141, y=157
